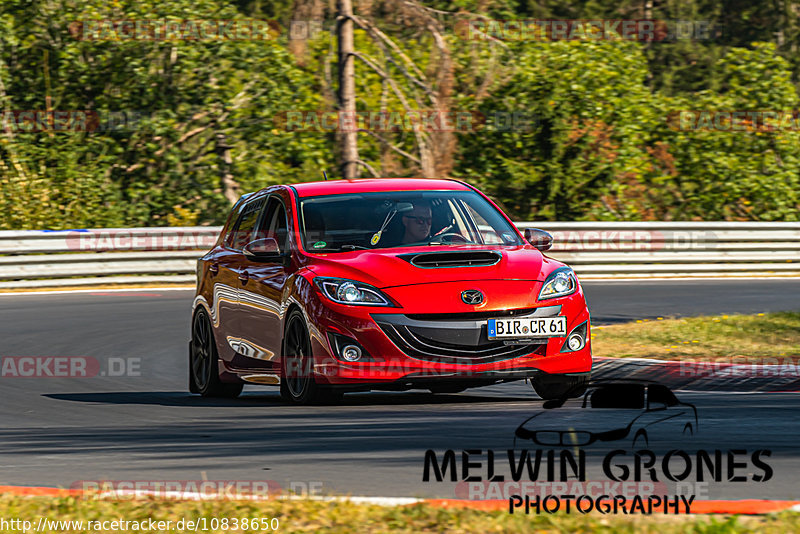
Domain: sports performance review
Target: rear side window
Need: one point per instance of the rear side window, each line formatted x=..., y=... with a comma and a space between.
x=244, y=228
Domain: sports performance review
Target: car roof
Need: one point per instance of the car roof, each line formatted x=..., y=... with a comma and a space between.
x=369, y=185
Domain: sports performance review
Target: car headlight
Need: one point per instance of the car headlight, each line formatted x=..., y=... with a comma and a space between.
x=346, y=291
x=560, y=283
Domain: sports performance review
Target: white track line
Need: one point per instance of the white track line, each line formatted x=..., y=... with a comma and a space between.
x=98, y=290
x=704, y=363
x=589, y=279
x=586, y=279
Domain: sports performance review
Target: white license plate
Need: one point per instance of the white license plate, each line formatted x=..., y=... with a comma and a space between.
x=527, y=327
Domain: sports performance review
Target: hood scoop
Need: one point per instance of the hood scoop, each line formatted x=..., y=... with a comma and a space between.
x=459, y=258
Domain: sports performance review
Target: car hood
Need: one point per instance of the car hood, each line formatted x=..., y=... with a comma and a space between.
x=388, y=268
x=582, y=420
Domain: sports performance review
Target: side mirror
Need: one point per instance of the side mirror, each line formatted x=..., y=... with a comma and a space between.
x=655, y=405
x=539, y=238
x=554, y=403
x=266, y=249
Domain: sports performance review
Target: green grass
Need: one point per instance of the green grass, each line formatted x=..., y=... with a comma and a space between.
x=740, y=338
x=342, y=517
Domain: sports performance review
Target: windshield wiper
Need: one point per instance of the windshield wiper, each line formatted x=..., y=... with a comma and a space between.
x=353, y=247
x=448, y=243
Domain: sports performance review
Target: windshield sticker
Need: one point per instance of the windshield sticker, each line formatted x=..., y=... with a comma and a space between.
x=319, y=244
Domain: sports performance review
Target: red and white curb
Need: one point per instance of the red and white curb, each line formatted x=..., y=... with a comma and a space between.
x=742, y=507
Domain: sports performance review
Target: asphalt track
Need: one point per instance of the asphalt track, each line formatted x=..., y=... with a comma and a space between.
x=145, y=426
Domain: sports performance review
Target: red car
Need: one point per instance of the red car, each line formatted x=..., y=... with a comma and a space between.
x=392, y=284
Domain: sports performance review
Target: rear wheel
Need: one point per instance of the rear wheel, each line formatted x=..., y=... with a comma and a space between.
x=297, y=380
x=204, y=362
x=550, y=387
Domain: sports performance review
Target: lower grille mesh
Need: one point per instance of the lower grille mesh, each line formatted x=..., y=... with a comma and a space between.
x=413, y=342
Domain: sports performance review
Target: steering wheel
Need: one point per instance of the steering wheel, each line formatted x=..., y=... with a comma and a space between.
x=449, y=237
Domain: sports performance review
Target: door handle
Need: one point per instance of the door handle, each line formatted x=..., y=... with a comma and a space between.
x=213, y=268
x=244, y=276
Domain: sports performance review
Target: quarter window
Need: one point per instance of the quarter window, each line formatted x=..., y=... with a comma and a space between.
x=245, y=226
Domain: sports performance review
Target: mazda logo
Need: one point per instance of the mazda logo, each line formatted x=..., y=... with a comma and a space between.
x=472, y=296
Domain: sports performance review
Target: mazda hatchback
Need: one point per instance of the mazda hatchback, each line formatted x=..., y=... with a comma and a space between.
x=352, y=285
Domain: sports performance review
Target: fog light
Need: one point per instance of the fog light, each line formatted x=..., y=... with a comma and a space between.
x=577, y=339
x=351, y=353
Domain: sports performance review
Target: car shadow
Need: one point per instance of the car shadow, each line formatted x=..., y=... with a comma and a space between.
x=176, y=398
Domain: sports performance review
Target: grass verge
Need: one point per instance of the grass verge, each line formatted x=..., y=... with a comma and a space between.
x=341, y=517
x=742, y=338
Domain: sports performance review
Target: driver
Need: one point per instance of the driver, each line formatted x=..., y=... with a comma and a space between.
x=417, y=223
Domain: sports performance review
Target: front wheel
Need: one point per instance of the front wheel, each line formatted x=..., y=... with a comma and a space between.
x=297, y=380
x=204, y=362
x=552, y=387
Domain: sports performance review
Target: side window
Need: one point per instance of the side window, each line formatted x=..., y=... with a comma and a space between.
x=243, y=230
x=275, y=223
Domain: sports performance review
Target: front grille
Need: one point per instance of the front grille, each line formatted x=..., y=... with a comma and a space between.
x=454, y=341
x=553, y=438
x=470, y=316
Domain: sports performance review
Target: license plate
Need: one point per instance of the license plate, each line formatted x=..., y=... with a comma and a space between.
x=527, y=327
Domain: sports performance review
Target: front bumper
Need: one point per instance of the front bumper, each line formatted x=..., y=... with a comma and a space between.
x=410, y=347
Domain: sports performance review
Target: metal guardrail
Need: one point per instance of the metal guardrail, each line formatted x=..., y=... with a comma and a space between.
x=42, y=258
x=30, y=259
x=676, y=249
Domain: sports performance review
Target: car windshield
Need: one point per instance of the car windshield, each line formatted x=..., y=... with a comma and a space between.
x=336, y=223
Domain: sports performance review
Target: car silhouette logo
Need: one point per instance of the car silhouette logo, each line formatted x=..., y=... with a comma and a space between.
x=612, y=410
x=472, y=296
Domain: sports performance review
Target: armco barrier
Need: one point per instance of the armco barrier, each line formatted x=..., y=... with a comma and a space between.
x=595, y=249
x=36, y=258
x=676, y=249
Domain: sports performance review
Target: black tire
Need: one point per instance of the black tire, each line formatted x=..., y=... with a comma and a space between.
x=204, y=362
x=298, y=385
x=551, y=387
